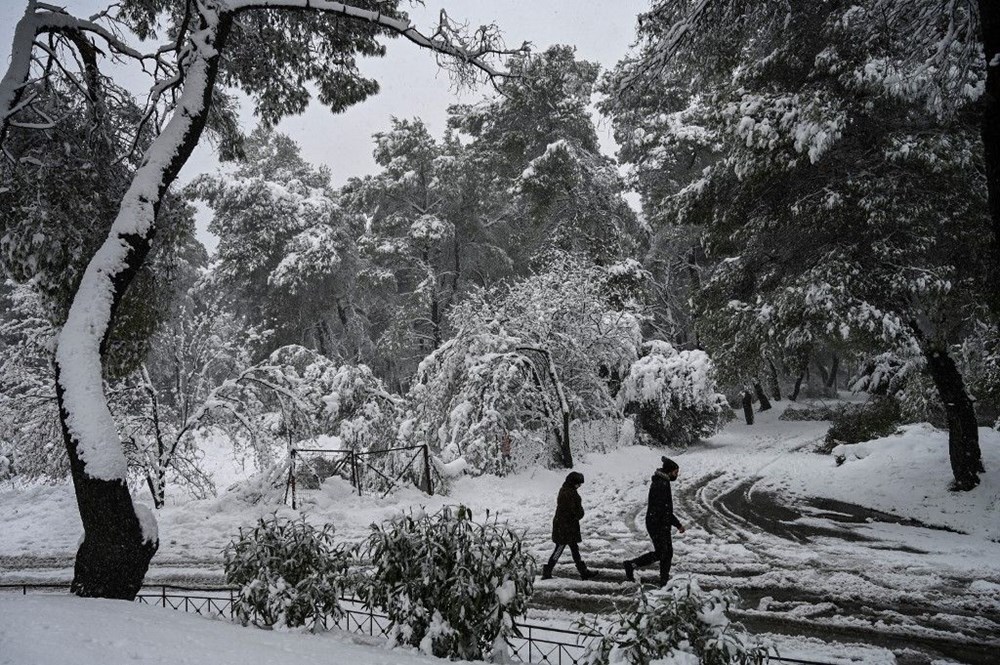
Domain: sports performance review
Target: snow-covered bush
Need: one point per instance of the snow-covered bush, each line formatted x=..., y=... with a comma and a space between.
x=450, y=586
x=674, y=395
x=874, y=420
x=680, y=624
x=289, y=573
x=901, y=375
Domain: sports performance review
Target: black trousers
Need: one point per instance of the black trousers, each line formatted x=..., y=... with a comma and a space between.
x=663, y=552
x=574, y=549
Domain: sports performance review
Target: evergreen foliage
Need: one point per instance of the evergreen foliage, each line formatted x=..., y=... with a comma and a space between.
x=680, y=623
x=451, y=586
x=287, y=256
x=673, y=395
x=289, y=573
x=544, y=181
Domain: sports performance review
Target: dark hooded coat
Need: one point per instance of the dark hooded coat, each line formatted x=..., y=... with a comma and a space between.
x=660, y=511
x=569, y=512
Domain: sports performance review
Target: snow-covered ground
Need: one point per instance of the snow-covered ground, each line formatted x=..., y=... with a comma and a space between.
x=65, y=630
x=791, y=530
x=55, y=630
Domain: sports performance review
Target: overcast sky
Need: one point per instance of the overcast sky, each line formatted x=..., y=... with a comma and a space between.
x=412, y=85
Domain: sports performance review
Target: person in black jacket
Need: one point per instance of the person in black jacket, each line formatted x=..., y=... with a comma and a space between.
x=659, y=519
x=566, y=526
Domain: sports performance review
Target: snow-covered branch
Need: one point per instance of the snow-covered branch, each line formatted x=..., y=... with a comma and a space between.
x=449, y=38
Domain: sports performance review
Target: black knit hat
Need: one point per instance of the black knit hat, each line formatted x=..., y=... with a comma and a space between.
x=574, y=478
x=668, y=464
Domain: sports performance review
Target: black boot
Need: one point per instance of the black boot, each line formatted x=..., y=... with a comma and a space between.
x=586, y=574
x=629, y=571
x=547, y=572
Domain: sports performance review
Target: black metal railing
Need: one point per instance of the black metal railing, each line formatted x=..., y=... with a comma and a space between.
x=531, y=643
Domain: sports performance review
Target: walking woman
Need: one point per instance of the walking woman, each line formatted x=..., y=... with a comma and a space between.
x=566, y=527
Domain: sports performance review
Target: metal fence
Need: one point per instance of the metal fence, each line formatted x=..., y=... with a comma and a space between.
x=531, y=643
x=356, y=465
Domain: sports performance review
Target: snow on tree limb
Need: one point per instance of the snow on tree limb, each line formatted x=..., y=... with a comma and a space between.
x=448, y=39
x=40, y=18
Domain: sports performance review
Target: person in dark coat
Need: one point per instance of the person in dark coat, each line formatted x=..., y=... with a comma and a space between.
x=659, y=520
x=566, y=526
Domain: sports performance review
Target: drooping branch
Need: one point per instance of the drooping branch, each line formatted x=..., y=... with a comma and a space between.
x=40, y=19
x=471, y=53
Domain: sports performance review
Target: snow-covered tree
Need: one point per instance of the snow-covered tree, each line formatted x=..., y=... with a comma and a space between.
x=841, y=195
x=526, y=358
x=287, y=257
x=417, y=242
x=270, y=49
x=30, y=439
x=544, y=180
x=161, y=406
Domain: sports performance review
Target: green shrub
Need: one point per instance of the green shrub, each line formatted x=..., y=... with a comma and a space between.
x=810, y=413
x=288, y=572
x=680, y=623
x=450, y=586
x=875, y=419
x=674, y=396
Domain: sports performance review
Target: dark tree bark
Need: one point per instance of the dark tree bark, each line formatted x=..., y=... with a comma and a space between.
x=989, y=21
x=748, y=407
x=963, y=430
x=824, y=375
x=798, y=387
x=775, y=383
x=114, y=556
x=765, y=403
x=831, y=380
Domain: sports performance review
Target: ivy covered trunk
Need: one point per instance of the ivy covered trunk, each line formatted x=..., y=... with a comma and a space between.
x=963, y=430
x=119, y=539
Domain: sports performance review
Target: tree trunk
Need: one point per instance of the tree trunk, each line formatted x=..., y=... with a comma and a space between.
x=775, y=384
x=748, y=407
x=115, y=552
x=824, y=376
x=112, y=560
x=765, y=404
x=798, y=387
x=989, y=22
x=963, y=430
x=831, y=381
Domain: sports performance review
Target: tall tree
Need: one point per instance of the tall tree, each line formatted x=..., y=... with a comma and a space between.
x=544, y=180
x=270, y=49
x=287, y=257
x=420, y=240
x=844, y=202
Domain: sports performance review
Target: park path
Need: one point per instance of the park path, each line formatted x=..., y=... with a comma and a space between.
x=802, y=565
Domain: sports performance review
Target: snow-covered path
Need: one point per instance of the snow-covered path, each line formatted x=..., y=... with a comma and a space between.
x=784, y=526
x=803, y=563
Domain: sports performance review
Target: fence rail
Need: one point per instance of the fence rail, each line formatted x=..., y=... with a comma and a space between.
x=531, y=643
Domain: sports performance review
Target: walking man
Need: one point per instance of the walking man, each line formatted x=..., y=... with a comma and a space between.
x=566, y=527
x=659, y=520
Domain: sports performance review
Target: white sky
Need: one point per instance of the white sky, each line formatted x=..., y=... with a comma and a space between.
x=412, y=85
